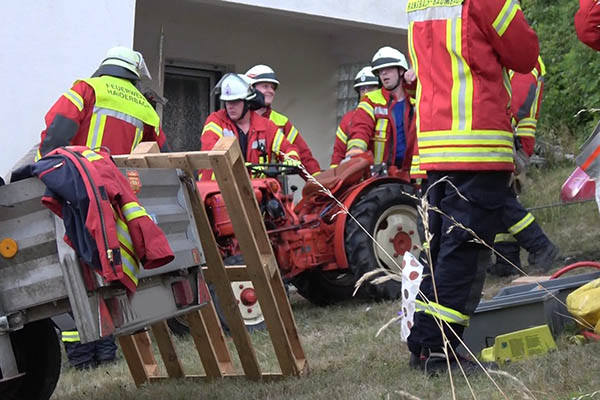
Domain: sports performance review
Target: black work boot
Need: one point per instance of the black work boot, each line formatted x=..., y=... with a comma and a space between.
x=437, y=364
x=544, y=258
x=417, y=361
x=502, y=269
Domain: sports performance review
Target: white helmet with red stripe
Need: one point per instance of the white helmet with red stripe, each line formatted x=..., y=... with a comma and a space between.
x=262, y=73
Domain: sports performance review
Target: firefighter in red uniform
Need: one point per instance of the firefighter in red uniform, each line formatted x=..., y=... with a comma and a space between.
x=260, y=139
x=460, y=51
x=108, y=111
x=383, y=122
x=265, y=81
x=522, y=229
x=587, y=23
x=364, y=82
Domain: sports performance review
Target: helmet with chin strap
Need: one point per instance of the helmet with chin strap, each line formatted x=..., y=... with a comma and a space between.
x=388, y=57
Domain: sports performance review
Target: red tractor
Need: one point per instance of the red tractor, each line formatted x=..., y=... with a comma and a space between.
x=319, y=248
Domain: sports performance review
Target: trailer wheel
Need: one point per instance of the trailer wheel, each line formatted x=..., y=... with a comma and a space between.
x=391, y=217
x=324, y=288
x=37, y=351
x=246, y=297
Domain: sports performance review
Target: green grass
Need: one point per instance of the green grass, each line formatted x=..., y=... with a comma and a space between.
x=347, y=361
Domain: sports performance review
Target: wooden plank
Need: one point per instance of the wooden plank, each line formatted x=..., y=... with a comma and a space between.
x=223, y=289
x=146, y=147
x=235, y=273
x=243, y=210
x=134, y=360
x=194, y=160
x=163, y=337
x=144, y=345
x=206, y=351
x=217, y=337
x=266, y=377
x=229, y=147
x=523, y=280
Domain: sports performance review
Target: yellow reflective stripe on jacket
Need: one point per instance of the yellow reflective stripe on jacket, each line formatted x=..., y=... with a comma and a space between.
x=278, y=119
x=340, y=134
x=507, y=75
x=292, y=154
x=213, y=127
x=377, y=97
x=277, y=141
x=139, y=133
x=123, y=234
x=526, y=127
x=379, y=140
x=366, y=107
x=504, y=238
x=413, y=58
x=91, y=155
x=291, y=137
x=38, y=155
x=522, y=224
x=121, y=95
x=70, y=336
x=415, y=167
x=361, y=144
x=453, y=138
x=129, y=264
x=74, y=98
x=133, y=210
x=474, y=154
x=462, y=79
x=505, y=16
x=444, y=313
x=96, y=131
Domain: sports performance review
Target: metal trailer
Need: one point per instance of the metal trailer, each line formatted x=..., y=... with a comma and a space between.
x=44, y=279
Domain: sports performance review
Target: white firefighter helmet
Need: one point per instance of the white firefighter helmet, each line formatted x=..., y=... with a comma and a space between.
x=127, y=58
x=365, y=77
x=262, y=73
x=235, y=87
x=388, y=57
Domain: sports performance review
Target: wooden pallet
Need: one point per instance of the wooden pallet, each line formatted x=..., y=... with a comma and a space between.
x=261, y=268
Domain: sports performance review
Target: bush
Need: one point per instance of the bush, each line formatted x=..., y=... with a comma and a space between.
x=572, y=74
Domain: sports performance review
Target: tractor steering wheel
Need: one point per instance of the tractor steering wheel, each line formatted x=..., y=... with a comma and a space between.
x=273, y=170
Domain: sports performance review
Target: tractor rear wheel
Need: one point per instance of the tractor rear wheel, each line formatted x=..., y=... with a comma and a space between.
x=324, y=288
x=390, y=216
x=37, y=352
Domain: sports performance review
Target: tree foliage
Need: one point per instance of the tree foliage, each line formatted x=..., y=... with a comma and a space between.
x=572, y=73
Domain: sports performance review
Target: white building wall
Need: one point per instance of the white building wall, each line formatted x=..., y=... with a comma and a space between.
x=383, y=13
x=47, y=45
x=305, y=54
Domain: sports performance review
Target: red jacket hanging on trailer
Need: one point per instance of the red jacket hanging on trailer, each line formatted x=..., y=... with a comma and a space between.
x=105, y=224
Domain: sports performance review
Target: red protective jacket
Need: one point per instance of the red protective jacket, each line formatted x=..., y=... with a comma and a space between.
x=341, y=139
x=294, y=137
x=95, y=200
x=373, y=128
x=263, y=136
x=461, y=51
x=75, y=119
x=587, y=23
x=527, y=90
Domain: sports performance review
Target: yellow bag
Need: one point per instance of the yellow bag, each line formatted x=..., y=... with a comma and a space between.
x=584, y=304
